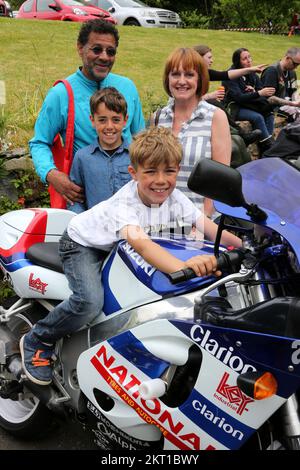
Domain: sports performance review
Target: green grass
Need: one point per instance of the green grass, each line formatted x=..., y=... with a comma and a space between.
x=34, y=54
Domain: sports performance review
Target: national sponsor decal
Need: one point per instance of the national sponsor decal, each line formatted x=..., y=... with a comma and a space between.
x=232, y=396
x=152, y=411
x=226, y=355
x=37, y=284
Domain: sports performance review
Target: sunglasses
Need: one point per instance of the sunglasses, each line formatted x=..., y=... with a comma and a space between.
x=295, y=64
x=97, y=50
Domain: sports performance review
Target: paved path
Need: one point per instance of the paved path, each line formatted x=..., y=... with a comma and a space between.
x=67, y=436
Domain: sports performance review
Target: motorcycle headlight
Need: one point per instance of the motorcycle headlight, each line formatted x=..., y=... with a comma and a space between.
x=80, y=12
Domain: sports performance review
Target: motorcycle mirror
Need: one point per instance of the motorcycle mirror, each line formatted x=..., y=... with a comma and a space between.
x=217, y=181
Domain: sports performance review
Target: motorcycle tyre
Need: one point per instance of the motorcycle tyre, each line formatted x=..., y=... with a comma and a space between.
x=38, y=420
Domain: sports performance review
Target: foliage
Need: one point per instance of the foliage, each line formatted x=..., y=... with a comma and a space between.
x=194, y=19
x=3, y=119
x=250, y=13
x=6, y=290
x=203, y=6
x=15, y=4
x=31, y=193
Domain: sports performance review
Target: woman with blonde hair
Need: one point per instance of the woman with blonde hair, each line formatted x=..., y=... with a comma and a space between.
x=201, y=128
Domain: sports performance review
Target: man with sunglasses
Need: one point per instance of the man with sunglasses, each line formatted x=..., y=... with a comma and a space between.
x=97, y=47
x=282, y=76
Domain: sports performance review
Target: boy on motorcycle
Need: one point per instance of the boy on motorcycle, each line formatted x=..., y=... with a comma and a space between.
x=138, y=210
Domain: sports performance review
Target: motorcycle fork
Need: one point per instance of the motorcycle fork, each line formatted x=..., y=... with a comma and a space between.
x=289, y=414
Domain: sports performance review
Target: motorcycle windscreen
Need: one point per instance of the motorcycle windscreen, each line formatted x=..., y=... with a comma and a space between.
x=272, y=184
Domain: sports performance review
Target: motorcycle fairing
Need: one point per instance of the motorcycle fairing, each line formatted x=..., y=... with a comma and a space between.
x=216, y=414
x=141, y=283
x=16, y=241
x=19, y=231
x=103, y=367
x=258, y=351
x=128, y=346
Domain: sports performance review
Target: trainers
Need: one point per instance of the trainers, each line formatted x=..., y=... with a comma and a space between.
x=36, y=360
x=251, y=137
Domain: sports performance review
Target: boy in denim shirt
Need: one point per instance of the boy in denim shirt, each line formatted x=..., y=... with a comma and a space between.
x=101, y=168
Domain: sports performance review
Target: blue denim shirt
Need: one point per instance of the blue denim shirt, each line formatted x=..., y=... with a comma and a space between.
x=100, y=174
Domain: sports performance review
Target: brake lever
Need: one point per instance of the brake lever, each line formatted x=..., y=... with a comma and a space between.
x=243, y=275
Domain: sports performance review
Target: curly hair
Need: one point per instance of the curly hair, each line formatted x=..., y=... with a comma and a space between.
x=96, y=26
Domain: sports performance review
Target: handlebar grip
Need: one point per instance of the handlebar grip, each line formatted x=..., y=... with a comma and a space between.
x=228, y=261
x=182, y=275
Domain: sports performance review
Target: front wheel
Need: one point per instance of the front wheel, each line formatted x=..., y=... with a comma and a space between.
x=25, y=417
x=132, y=22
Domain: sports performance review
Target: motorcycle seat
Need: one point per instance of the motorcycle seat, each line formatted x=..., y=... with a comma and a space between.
x=45, y=255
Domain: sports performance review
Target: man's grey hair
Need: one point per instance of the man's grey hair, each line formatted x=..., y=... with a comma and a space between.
x=293, y=51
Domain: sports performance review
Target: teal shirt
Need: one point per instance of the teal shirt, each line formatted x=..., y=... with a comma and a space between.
x=52, y=118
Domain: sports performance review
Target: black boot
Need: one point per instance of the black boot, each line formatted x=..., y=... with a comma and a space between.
x=264, y=145
x=251, y=137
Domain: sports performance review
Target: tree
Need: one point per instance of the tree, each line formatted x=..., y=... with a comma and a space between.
x=250, y=13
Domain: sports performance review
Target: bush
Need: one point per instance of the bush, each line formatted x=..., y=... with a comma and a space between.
x=15, y=4
x=194, y=19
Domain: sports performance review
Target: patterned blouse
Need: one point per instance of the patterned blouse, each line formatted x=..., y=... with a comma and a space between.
x=195, y=137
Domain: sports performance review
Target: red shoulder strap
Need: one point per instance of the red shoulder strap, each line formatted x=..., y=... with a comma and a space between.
x=70, y=126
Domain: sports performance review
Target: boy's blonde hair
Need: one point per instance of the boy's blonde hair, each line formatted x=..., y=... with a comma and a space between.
x=113, y=100
x=154, y=146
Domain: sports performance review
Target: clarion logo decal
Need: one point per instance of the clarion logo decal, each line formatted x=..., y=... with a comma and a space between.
x=219, y=421
x=233, y=395
x=37, y=284
x=152, y=411
x=225, y=355
x=139, y=260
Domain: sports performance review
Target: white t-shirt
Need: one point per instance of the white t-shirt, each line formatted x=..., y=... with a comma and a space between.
x=99, y=227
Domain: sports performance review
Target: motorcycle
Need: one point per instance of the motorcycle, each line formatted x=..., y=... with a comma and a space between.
x=173, y=361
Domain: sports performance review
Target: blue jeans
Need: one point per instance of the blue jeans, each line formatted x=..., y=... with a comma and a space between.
x=258, y=121
x=82, y=267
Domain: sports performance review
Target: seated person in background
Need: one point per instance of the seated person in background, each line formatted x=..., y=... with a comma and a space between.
x=134, y=213
x=232, y=74
x=250, y=98
x=216, y=97
x=282, y=76
x=101, y=168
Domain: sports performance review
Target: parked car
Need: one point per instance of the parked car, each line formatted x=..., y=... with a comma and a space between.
x=137, y=13
x=5, y=8
x=65, y=10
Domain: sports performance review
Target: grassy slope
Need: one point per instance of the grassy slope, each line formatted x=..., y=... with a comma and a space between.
x=36, y=53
